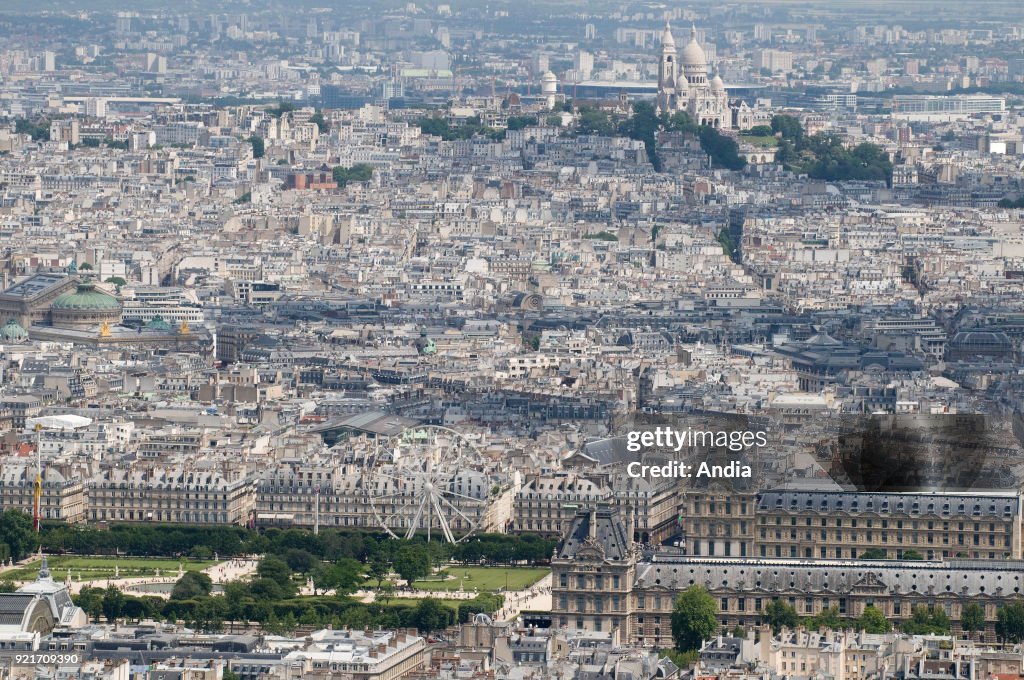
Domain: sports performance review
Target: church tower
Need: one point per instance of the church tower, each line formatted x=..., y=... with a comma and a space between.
x=669, y=90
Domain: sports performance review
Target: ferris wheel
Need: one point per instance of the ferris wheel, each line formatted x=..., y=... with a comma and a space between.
x=427, y=478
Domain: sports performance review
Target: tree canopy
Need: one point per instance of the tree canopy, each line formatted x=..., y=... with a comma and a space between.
x=1010, y=622
x=344, y=576
x=972, y=618
x=192, y=584
x=17, y=538
x=872, y=620
x=694, y=619
x=412, y=561
x=779, y=615
x=259, y=147
x=360, y=172
x=927, y=621
x=825, y=156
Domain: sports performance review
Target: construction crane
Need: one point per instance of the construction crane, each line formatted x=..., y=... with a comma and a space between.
x=38, y=490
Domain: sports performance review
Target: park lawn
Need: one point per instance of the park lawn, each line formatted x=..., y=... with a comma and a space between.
x=483, y=579
x=100, y=568
x=760, y=141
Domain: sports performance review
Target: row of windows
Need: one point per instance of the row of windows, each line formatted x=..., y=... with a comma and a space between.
x=884, y=506
x=113, y=492
x=596, y=625
x=590, y=582
x=870, y=523
x=206, y=505
x=854, y=553
x=724, y=508
x=883, y=537
x=596, y=603
x=166, y=516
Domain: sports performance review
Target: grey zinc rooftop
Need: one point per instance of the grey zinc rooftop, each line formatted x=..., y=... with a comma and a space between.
x=977, y=503
x=603, y=527
x=973, y=578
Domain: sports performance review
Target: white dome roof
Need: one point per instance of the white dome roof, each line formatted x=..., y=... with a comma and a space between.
x=549, y=77
x=693, y=53
x=717, y=85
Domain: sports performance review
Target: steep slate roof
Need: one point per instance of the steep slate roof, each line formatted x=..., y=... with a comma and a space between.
x=601, y=526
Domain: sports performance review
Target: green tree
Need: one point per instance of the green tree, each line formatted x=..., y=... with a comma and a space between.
x=873, y=554
x=779, y=615
x=940, y=621
x=435, y=126
x=379, y=570
x=385, y=591
x=282, y=108
x=200, y=552
x=90, y=599
x=728, y=243
x=680, y=659
x=269, y=589
x=344, y=576
x=191, y=585
x=759, y=131
x=17, y=539
x=236, y=595
x=360, y=172
x=680, y=121
x=694, y=619
x=117, y=281
x=643, y=126
x=1010, y=622
x=873, y=621
x=112, y=603
x=723, y=150
x=594, y=121
x=230, y=675
x=412, y=561
x=275, y=570
x=430, y=615
x=281, y=626
x=38, y=130
x=300, y=561
x=520, y=122
x=972, y=619
x=259, y=147
x=318, y=120
x=826, y=618
x=789, y=126
x=912, y=555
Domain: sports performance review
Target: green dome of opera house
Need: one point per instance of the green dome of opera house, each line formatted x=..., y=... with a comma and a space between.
x=157, y=323
x=13, y=332
x=88, y=307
